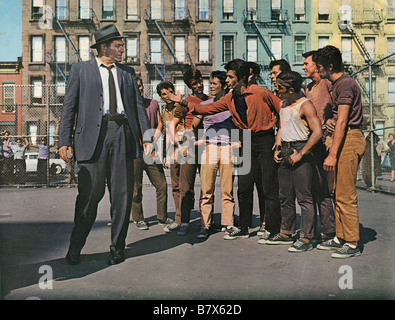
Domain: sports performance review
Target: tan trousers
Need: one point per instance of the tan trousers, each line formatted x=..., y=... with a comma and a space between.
x=214, y=158
x=347, y=217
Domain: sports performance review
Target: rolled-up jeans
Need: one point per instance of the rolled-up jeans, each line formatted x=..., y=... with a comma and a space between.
x=296, y=181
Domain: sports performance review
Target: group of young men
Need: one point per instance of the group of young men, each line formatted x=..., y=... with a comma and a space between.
x=294, y=143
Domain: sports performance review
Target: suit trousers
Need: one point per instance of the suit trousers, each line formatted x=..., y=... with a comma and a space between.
x=262, y=162
x=112, y=162
x=157, y=177
x=214, y=158
x=346, y=201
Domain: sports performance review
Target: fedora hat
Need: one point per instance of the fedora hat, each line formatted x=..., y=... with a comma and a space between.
x=106, y=33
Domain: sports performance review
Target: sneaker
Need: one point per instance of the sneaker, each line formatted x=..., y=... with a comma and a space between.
x=262, y=231
x=346, y=252
x=171, y=227
x=203, y=233
x=329, y=245
x=327, y=236
x=237, y=234
x=227, y=229
x=264, y=237
x=165, y=222
x=280, y=238
x=141, y=225
x=300, y=246
x=183, y=230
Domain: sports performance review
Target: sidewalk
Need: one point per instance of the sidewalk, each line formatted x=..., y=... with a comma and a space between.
x=383, y=184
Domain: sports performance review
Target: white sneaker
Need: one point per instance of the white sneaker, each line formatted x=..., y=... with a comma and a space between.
x=171, y=227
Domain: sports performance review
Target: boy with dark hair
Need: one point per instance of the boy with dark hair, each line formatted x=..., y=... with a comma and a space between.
x=345, y=153
x=299, y=132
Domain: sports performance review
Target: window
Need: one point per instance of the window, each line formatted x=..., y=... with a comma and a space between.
x=373, y=88
x=84, y=9
x=227, y=13
x=84, y=47
x=391, y=90
x=276, y=45
x=204, y=49
x=323, y=9
x=252, y=48
x=60, y=87
x=391, y=49
x=156, y=50
x=131, y=49
x=276, y=10
x=379, y=125
x=206, y=85
x=132, y=10
x=52, y=128
x=179, y=47
x=37, y=49
x=37, y=9
x=60, y=49
x=346, y=50
x=108, y=9
x=37, y=90
x=8, y=97
x=391, y=9
x=32, y=132
x=300, y=48
x=204, y=9
x=369, y=45
x=179, y=85
x=179, y=10
x=252, y=9
x=61, y=9
x=156, y=9
x=300, y=10
x=323, y=41
x=153, y=84
x=227, y=48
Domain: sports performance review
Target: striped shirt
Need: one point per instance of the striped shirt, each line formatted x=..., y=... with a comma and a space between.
x=319, y=93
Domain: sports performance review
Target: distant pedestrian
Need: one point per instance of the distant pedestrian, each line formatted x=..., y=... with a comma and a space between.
x=391, y=146
x=19, y=150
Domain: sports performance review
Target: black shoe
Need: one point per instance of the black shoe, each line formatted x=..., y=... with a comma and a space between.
x=203, y=233
x=73, y=257
x=116, y=257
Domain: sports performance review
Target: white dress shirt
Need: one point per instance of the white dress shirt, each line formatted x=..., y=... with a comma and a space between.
x=106, y=91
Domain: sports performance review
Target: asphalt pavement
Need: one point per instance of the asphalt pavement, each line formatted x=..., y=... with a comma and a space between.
x=35, y=226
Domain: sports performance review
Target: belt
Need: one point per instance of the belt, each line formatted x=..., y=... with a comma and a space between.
x=291, y=144
x=352, y=127
x=114, y=117
x=261, y=133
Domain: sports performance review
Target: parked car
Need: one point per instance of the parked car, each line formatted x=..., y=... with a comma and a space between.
x=57, y=166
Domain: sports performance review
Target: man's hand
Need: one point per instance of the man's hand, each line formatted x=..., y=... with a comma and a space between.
x=330, y=125
x=63, y=152
x=295, y=157
x=277, y=156
x=176, y=97
x=330, y=163
x=148, y=148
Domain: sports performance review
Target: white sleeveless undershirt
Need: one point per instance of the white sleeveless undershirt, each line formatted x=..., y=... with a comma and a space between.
x=293, y=127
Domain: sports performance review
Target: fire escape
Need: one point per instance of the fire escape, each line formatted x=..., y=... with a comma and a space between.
x=254, y=22
x=167, y=64
x=83, y=18
x=369, y=17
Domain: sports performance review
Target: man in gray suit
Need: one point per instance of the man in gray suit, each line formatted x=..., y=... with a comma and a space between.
x=103, y=111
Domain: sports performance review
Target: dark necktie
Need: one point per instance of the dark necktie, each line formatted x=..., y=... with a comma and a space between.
x=111, y=87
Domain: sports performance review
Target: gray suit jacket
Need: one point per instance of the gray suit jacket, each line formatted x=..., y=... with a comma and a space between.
x=83, y=103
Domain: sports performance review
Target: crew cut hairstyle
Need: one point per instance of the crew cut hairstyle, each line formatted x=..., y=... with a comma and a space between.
x=191, y=74
x=164, y=85
x=241, y=69
x=293, y=78
x=284, y=65
x=329, y=55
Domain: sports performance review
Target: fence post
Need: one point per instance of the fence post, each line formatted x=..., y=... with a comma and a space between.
x=46, y=91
